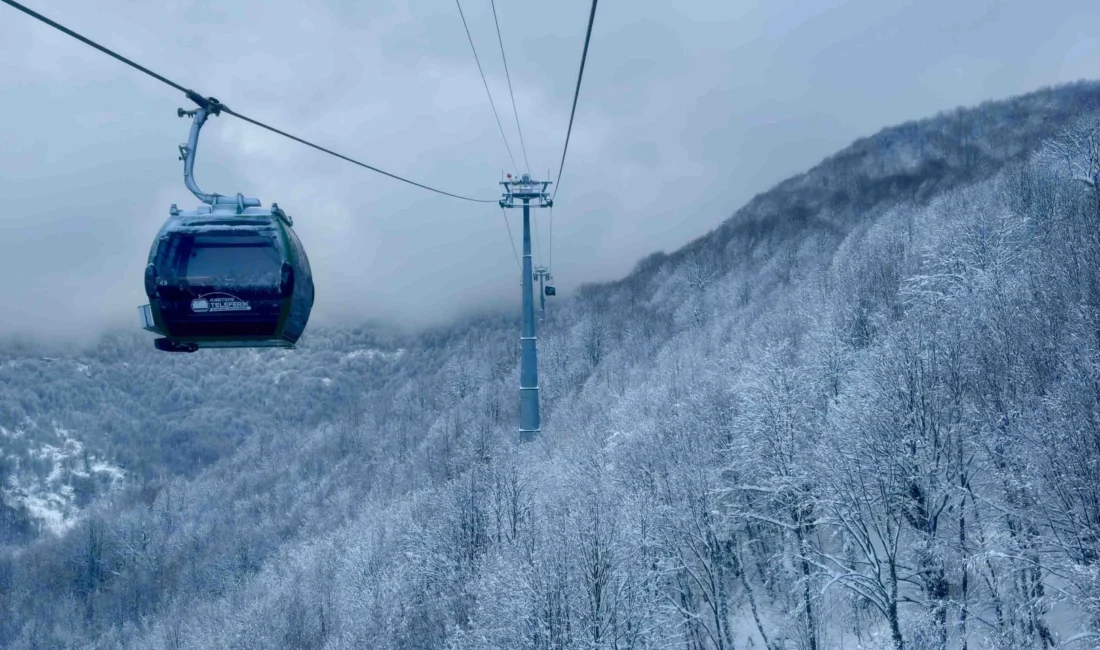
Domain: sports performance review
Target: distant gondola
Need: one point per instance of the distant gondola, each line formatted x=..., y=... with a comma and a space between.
x=227, y=274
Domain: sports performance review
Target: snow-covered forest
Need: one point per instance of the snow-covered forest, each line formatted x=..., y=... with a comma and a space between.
x=863, y=412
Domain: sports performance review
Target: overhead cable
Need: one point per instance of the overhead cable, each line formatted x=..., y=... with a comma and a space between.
x=576, y=94
x=550, y=262
x=217, y=106
x=351, y=160
x=511, y=239
x=486, y=84
x=510, y=93
x=538, y=241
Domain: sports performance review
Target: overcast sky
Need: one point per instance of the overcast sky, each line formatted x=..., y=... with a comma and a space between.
x=687, y=110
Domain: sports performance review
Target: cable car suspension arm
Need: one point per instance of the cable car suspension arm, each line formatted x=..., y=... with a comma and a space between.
x=207, y=106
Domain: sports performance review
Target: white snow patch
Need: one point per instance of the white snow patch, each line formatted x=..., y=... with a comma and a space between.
x=53, y=519
x=373, y=353
x=52, y=499
x=103, y=467
x=55, y=473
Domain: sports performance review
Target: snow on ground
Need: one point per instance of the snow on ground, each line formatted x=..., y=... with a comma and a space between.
x=373, y=353
x=46, y=510
x=51, y=499
x=103, y=467
x=365, y=353
x=7, y=433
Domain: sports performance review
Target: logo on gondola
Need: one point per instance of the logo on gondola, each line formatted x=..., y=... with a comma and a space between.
x=215, y=302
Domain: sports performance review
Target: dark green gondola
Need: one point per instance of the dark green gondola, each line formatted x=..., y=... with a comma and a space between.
x=227, y=274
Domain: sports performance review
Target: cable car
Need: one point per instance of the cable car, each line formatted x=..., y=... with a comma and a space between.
x=550, y=290
x=230, y=273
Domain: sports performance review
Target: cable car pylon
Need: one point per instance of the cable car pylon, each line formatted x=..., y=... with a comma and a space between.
x=520, y=193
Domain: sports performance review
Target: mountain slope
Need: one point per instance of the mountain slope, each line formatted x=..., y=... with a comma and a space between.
x=860, y=413
x=68, y=418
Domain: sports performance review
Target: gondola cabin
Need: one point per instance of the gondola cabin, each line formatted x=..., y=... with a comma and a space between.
x=229, y=274
x=221, y=276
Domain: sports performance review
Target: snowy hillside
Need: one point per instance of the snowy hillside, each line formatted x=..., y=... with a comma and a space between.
x=51, y=502
x=861, y=413
x=76, y=425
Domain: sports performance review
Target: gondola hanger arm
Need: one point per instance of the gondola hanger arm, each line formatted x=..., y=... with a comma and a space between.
x=207, y=106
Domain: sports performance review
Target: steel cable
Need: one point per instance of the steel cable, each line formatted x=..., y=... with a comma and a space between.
x=217, y=106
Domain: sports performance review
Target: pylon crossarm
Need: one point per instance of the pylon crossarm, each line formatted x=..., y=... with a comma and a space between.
x=526, y=190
